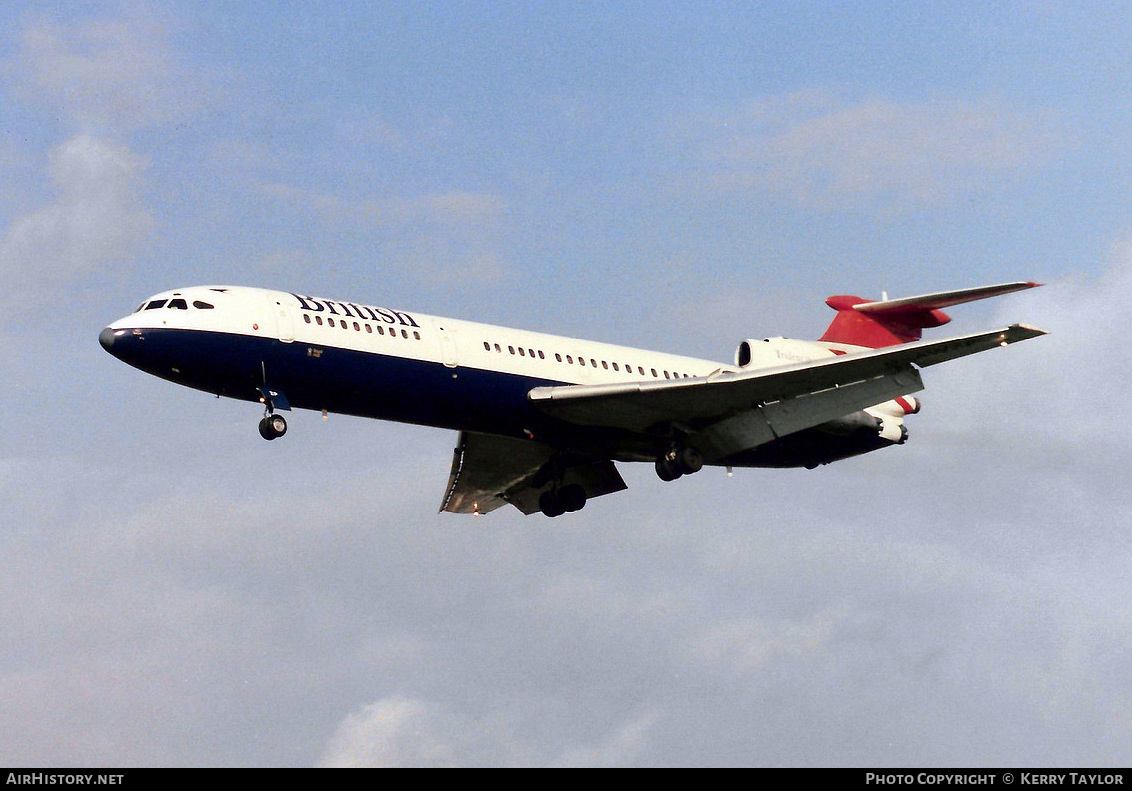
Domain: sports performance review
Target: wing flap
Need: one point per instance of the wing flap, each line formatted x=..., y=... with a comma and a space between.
x=485, y=468
x=490, y=471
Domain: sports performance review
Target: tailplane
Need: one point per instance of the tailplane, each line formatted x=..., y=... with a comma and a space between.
x=860, y=322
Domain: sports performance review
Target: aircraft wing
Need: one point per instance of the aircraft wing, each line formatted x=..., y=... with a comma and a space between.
x=490, y=471
x=786, y=398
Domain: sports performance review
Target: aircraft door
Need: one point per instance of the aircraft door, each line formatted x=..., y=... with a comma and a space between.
x=284, y=320
x=448, y=354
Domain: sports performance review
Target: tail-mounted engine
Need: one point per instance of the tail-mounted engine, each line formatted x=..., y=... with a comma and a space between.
x=770, y=352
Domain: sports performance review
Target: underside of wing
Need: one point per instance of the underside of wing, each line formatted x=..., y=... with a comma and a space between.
x=490, y=471
x=766, y=402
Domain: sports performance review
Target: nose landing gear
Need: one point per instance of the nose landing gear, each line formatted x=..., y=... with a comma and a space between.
x=272, y=427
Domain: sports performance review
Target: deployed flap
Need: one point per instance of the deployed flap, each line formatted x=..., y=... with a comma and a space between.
x=485, y=467
x=702, y=401
x=490, y=471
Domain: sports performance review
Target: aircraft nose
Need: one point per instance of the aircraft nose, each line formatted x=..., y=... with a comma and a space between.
x=106, y=339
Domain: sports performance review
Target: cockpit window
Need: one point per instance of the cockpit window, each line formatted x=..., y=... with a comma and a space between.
x=178, y=304
x=157, y=303
x=202, y=305
x=140, y=308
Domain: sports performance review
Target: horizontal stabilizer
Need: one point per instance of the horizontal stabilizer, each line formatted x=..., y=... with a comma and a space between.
x=943, y=299
x=860, y=322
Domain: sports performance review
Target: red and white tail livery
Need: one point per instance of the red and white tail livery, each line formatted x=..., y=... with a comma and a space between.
x=872, y=325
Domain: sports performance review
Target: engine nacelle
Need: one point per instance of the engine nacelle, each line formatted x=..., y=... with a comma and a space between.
x=770, y=352
x=891, y=414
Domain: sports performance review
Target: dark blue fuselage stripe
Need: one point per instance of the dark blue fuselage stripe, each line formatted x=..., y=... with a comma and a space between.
x=344, y=381
x=388, y=387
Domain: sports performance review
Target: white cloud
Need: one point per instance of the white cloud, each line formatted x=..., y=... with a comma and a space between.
x=1065, y=387
x=103, y=74
x=96, y=220
x=619, y=749
x=822, y=151
x=402, y=731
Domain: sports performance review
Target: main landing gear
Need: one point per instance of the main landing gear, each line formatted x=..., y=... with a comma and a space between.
x=272, y=426
x=557, y=501
x=677, y=462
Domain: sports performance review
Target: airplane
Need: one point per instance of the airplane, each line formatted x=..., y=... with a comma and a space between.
x=542, y=418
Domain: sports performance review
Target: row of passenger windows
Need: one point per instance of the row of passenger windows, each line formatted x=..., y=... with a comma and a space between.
x=358, y=327
x=591, y=362
x=173, y=304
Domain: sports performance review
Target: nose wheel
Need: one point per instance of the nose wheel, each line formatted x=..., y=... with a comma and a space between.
x=272, y=427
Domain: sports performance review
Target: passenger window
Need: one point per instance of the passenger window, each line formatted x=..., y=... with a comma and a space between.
x=498, y=349
x=605, y=365
x=541, y=356
x=581, y=361
x=530, y=352
x=511, y=349
x=569, y=359
x=521, y=352
x=486, y=346
x=558, y=357
x=666, y=376
x=330, y=321
x=306, y=316
x=653, y=371
x=357, y=327
x=416, y=335
x=593, y=362
x=205, y=306
x=380, y=330
x=318, y=320
x=642, y=370
x=405, y=334
x=369, y=329
x=615, y=368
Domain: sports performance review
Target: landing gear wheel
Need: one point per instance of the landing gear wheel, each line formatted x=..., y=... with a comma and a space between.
x=272, y=427
x=689, y=460
x=677, y=462
x=572, y=497
x=551, y=504
x=666, y=470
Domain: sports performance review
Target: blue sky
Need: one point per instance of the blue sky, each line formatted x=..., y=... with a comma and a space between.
x=176, y=591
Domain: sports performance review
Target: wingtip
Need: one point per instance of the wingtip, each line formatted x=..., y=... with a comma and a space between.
x=1025, y=331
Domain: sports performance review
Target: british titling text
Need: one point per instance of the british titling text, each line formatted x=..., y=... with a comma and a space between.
x=364, y=312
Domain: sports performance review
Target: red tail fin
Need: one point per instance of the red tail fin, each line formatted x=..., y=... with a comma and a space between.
x=860, y=322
